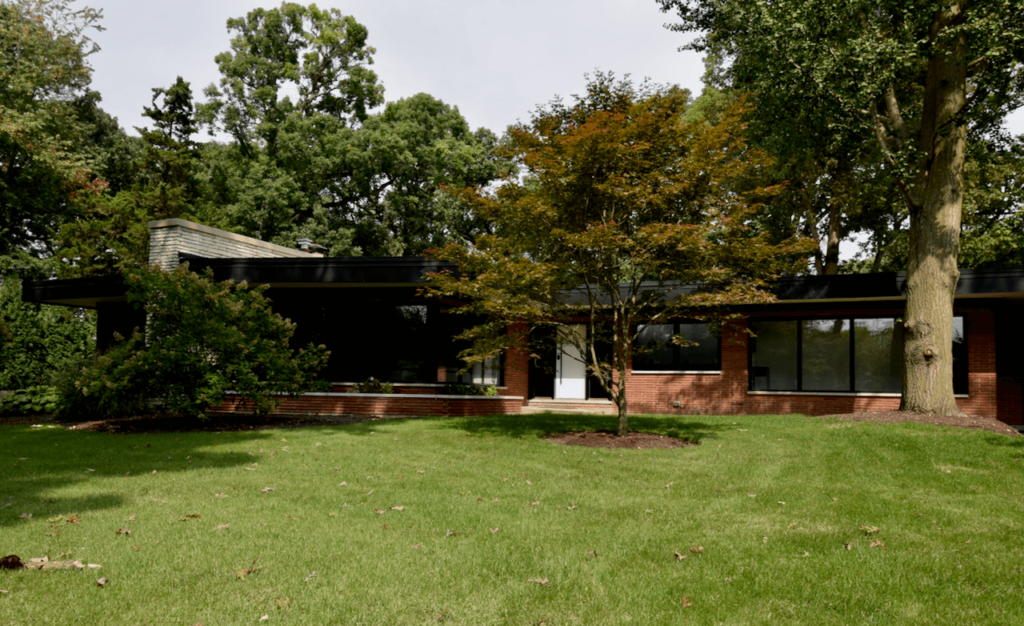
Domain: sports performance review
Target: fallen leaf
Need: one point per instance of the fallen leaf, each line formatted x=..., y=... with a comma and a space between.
x=594, y=554
x=535, y=503
x=572, y=506
x=848, y=546
x=764, y=539
x=267, y=489
x=417, y=547
x=101, y=582
x=781, y=502
x=4, y=591
x=25, y=516
x=131, y=518
x=343, y=484
x=451, y=533
x=494, y=500
x=669, y=485
x=73, y=518
x=123, y=531
x=680, y=557
x=792, y=526
x=264, y=618
x=539, y=581
x=465, y=493
x=219, y=495
x=835, y=499
x=870, y=529
x=877, y=544
x=398, y=508
x=806, y=553
x=153, y=472
x=419, y=471
x=728, y=580
x=311, y=575
x=686, y=602
x=480, y=499
x=332, y=515
x=185, y=518
x=696, y=549
x=136, y=548
x=378, y=512
x=58, y=518
x=223, y=526
x=494, y=530
x=751, y=495
x=386, y=526
x=284, y=602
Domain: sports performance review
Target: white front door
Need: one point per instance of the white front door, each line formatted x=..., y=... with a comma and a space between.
x=570, y=367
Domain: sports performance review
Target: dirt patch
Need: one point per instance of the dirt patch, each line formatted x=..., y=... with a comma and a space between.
x=963, y=421
x=607, y=439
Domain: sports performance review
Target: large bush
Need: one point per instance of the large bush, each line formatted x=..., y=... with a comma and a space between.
x=39, y=341
x=202, y=339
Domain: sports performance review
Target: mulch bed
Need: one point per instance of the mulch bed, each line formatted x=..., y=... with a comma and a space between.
x=607, y=439
x=963, y=421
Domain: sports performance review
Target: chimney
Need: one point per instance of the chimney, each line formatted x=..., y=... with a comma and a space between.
x=307, y=245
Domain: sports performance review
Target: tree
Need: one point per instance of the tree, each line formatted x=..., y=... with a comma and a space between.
x=202, y=339
x=400, y=159
x=622, y=203
x=44, y=79
x=915, y=77
x=294, y=86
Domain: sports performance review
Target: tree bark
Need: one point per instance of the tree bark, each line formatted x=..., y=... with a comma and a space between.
x=935, y=213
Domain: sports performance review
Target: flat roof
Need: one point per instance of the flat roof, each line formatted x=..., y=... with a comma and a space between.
x=342, y=272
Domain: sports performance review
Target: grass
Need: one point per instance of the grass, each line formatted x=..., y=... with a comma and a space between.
x=776, y=502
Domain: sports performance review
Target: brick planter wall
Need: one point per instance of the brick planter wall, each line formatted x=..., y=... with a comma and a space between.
x=391, y=405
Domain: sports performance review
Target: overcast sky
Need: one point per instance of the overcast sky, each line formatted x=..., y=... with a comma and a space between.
x=494, y=59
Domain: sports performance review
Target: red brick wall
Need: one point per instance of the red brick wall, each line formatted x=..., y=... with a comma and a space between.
x=726, y=393
x=397, y=405
x=517, y=368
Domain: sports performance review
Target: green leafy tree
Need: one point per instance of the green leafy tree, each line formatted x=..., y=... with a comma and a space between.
x=622, y=202
x=44, y=79
x=294, y=85
x=401, y=159
x=111, y=235
x=202, y=340
x=915, y=77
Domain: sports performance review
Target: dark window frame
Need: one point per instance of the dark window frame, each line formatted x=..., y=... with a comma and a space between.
x=677, y=365
x=961, y=384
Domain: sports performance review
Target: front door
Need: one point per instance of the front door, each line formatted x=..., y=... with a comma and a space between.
x=570, y=367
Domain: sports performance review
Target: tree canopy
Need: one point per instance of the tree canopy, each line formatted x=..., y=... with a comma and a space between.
x=916, y=78
x=621, y=203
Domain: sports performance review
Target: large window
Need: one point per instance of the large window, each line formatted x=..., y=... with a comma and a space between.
x=838, y=354
x=656, y=352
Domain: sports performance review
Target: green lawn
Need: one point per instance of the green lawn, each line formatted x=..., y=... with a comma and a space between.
x=776, y=502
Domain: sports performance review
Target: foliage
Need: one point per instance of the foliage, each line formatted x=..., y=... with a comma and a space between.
x=917, y=82
x=44, y=82
x=202, y=340
x=460, y=389
x=30, y=401
x=623, y=201
x=372, y=385
x=38, y=342
x=402, y=156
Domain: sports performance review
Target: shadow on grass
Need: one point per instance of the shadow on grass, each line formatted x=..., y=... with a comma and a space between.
x=41, y=461
x=541, y=424
x=1003, y=441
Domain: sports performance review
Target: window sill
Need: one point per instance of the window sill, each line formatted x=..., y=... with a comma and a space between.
x=671, y=372
x=852, y=394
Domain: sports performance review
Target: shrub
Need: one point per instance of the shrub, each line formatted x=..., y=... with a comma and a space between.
x=202, y=340
x=372, y=385
x=460, y=389
x=31, y=401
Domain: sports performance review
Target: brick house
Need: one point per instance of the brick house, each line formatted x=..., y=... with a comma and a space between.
x=830, y=344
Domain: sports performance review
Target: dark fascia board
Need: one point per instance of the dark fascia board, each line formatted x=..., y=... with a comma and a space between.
x=856, y=287
x=331, y=271
x=75, y=292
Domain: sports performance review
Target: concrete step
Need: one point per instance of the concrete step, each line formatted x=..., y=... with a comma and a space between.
x=547, y=405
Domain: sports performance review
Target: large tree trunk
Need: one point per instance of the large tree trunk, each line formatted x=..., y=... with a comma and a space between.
x=935, y=216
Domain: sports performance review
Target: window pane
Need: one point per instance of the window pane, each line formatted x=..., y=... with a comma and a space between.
x=960, y=383
x=773, y=361
x=704, y=355
x=826, y=355
x=657, y=352
x=878, y=355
